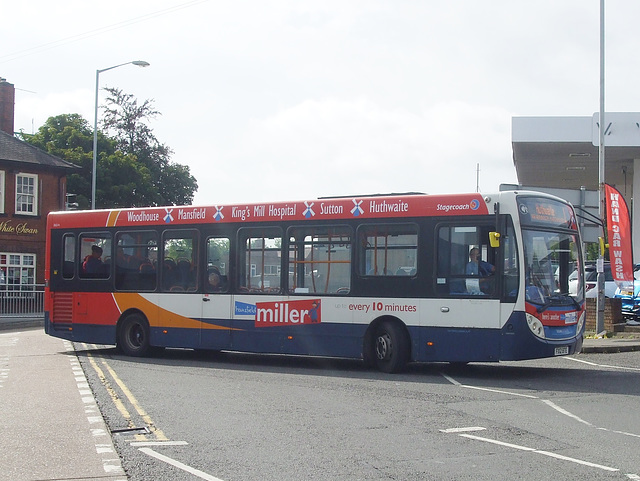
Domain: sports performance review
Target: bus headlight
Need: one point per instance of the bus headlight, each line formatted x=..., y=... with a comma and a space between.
x=535, y=325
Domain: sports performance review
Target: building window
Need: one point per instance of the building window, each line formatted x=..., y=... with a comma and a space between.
x=26, y=194
x=1, y=191
x=17, y=271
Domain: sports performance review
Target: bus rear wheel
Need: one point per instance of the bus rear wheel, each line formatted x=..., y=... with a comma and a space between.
x=390, y=347
x=133, y=335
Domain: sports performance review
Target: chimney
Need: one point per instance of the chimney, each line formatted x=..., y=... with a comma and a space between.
x=7, y=102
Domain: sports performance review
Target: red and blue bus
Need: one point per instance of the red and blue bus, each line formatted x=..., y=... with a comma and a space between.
x=389, y=279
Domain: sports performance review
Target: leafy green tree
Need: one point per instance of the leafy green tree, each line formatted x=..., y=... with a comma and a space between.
x=171, y=183
x=119, y=176
x=134, y=168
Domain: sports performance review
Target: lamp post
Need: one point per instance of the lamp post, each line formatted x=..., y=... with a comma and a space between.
x=139, y=63
x=602, y=209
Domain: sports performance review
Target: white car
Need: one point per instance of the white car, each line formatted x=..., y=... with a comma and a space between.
x=591, y=282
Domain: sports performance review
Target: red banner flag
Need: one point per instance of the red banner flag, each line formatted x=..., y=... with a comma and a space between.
x=619, y=232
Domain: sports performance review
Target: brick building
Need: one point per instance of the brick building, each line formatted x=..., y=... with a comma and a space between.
x=32, y=184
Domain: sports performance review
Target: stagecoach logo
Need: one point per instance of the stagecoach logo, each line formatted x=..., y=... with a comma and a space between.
x=293, y=313
x=218, y=216
x=474, y=204
x=524, y=210
x=357, y=210
x=168, y=218
x=308, y=212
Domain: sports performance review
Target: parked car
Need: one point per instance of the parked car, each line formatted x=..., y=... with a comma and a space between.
x=591, y=281
x=631, y=300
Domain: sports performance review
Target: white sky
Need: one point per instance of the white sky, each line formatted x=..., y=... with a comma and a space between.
x=286, y=100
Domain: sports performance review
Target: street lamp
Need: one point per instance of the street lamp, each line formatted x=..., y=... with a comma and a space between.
x=139, y=63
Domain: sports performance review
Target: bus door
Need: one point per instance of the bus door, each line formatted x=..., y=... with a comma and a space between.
x=468, y=286
x=215, y=304
x=216, y=315
x=179, y=305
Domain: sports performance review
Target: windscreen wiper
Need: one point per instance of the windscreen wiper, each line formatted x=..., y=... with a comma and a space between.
x=558, y=297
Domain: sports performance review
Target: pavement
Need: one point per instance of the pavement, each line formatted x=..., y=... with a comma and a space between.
x=55, y=430
x=51, y=427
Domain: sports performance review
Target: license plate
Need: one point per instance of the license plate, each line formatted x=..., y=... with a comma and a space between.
x=561, y=351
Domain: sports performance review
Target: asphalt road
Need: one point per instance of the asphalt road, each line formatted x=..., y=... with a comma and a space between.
x=230, y=417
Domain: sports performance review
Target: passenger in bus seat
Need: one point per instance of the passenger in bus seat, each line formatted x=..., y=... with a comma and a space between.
x=134, y=263
x=216, y=281
x=147, y=274
x=92, y=263
x=168, y=273
x=122, y=259
x=184, y=273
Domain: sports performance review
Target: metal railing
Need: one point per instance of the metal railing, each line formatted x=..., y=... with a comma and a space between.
x=22, y=300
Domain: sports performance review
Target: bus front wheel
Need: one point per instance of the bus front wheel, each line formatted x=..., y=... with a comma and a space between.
x=133, y=335
x=390, y=347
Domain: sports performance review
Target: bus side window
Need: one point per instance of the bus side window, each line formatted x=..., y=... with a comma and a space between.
x=68, y=256
x=320, y=260
x=511, y=273
x=388, y=250
x=217, y=279
x=260, y=262
x=465, y=261
x=179, y=261
x=136, y=259
x=95, y=256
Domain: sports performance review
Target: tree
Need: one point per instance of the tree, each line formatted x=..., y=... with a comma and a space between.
x=134, y=168
x=119, y=176
x=172, y=184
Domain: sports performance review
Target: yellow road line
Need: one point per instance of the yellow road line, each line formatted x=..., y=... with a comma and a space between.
x=113, y=394
x=159, y=435
x=134, y=402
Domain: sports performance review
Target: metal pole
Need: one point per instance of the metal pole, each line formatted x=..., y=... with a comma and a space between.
x=139, y=63
x=95, y=146
x=602, y=207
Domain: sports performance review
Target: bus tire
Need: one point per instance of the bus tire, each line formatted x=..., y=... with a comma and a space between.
x=133, y=335
x=390, y=347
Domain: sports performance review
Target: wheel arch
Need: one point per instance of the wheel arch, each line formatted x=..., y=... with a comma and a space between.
x=369, y=336
x=124, y=315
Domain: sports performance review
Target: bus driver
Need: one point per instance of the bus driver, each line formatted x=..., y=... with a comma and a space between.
x=477, y=267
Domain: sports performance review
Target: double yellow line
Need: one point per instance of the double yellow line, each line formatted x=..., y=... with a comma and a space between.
x=157, y=433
